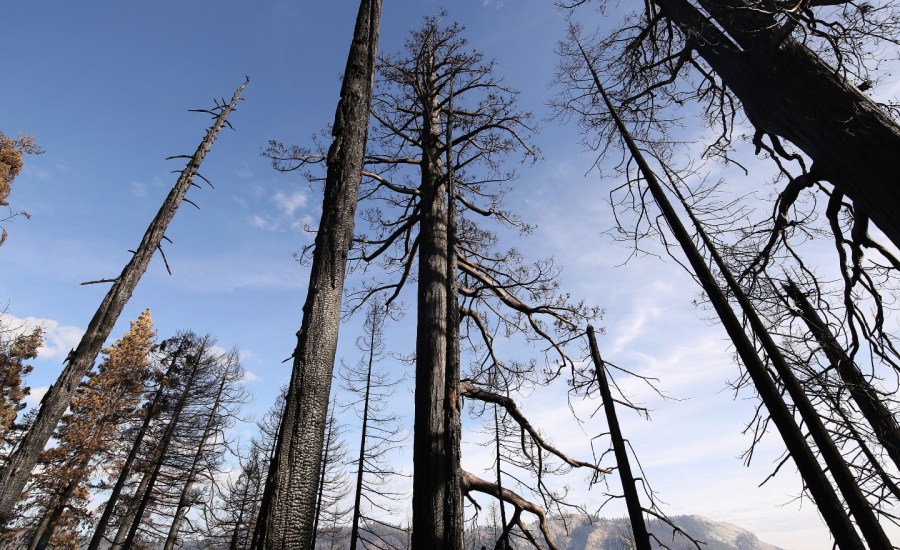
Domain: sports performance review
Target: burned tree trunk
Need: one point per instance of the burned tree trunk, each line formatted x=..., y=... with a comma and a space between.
x=453, y=509
x=787, y=91
x=430, y=474
x=47, y=527
x=856, y=502
x=184, y=500
x=54, y=403
x=286, y=517
x=632, y=500
x=815, y=479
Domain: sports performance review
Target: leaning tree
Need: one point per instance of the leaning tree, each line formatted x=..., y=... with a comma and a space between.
x=15, y=472
x=287, y=512
x=787, y=74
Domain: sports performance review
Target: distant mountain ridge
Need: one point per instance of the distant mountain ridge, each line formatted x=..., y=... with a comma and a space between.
x=583, y=533
x=614, y=534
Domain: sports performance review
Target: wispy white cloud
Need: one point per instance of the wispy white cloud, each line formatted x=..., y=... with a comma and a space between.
x=259, y=222
x=35, y=396
x=289, y=203
x=244, y=172
x=139, y=189
x=58, y=339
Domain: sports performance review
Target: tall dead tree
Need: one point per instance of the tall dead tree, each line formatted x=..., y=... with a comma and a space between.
x=380, y=432
x=287, y=512
x=816, y=481
x=15, y=473
x=197, y=359
x=880, y=418
x=211, y=443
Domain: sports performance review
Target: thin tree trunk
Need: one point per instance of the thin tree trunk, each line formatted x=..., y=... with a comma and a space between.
x=360, y=466
x=815, y=479
x=786, y=90
x=163, y=449
x=882, y=420
x=286, y=517
x=326, y=454
x=235, y=533
x=502, y=542
x=453, y=509
x=856, y=502
x=125, y=472
x=632, y=500
x=15, y=473
x=48, y=524
x=130, y=512
x=183, y=499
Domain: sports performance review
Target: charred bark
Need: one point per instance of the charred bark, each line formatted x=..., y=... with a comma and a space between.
x=430, y=476
x=453, y=508
x=15, y=473
x=788, y=91
x=286, y=517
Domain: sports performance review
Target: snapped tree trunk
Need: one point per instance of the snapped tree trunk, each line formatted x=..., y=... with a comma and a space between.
x=286, y=517
x=632, y=500
x=788, y=91
x=15, y=473
x=814, y=477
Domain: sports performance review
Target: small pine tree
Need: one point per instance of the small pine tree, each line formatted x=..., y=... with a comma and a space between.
x=11, y=151
x=90, y=435
x=14, y=352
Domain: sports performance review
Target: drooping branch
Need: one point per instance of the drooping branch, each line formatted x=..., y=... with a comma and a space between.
x=474, y=483
x=468, y=390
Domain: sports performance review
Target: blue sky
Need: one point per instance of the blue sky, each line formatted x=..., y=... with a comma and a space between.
x=105, y=87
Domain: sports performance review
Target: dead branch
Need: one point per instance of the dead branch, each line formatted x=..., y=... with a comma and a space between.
x=468, y=390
